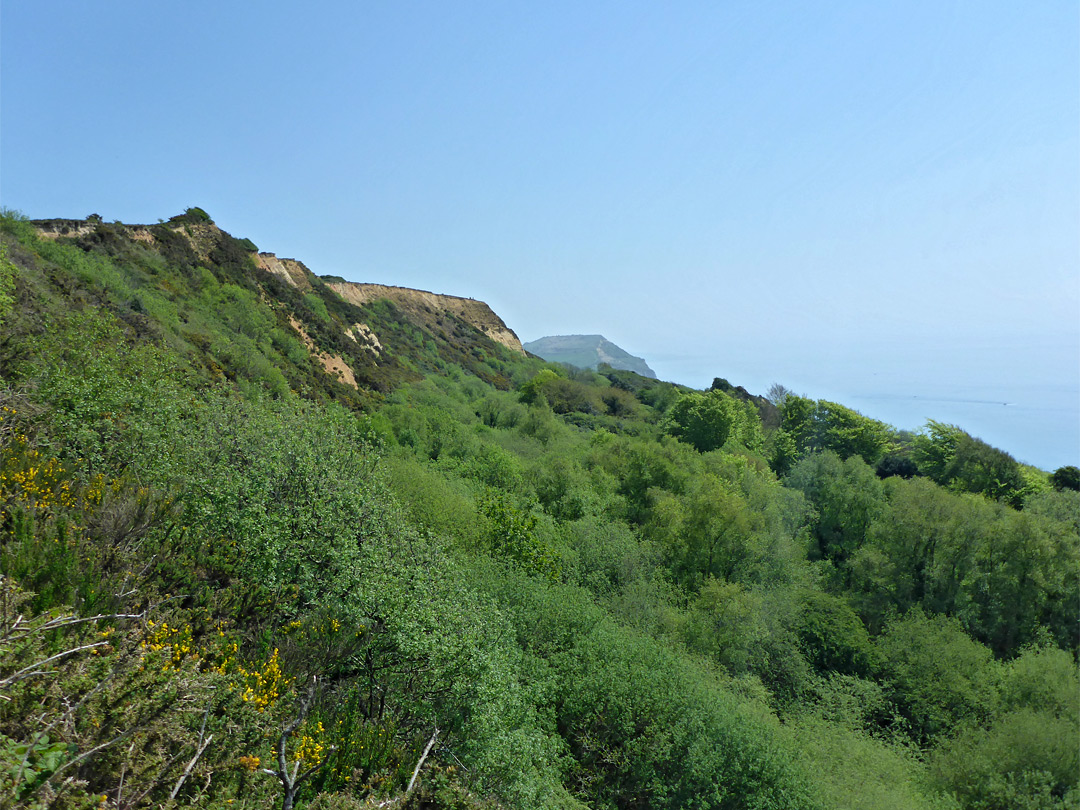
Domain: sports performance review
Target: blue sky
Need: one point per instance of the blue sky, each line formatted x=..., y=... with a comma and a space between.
x=857, y=199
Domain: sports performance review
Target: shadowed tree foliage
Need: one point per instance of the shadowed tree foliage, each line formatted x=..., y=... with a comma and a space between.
x=1003, y=573
x=1066, y=478
x=899, y=464
x=937, y=675
x=847, y=496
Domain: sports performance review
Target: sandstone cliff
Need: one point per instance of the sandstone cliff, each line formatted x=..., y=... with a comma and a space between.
x=289, y=270
x=373, y=353
x=429, y=308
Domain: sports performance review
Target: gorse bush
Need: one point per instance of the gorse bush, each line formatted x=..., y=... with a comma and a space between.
x=300, y=523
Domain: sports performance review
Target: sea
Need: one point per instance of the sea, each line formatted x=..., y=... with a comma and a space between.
x=1021, y=396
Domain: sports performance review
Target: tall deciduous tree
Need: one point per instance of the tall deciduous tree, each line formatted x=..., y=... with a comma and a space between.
x=707, y=421
x=1066, y=478
x=954, y=458
x=847, y=496
x=825, y=425
x=937, y=674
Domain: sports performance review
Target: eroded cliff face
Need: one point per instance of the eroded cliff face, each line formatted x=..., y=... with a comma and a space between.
x=430, y=308
x=288, y=270
x=367, y=359
x=202, y=237
x=66, y=228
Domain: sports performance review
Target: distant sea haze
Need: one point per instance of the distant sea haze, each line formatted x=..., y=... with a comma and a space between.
x=1037, y=425
x=1020, y=398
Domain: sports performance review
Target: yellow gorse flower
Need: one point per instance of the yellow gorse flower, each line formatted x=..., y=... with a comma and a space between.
x=310, y=750
x=263, y=688
x=32, y=481
x=175, y=641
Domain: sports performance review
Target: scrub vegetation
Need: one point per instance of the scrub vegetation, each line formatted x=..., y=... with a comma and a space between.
x=477, y=580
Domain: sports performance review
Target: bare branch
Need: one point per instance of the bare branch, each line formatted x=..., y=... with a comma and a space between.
x=420, y=764
x=27, y=672
x=289, y=781
x=89, y=753
x=391, y=802
x=123, y=772
x=67, y=621
x=201, y=746
x=57, y=622
x=190, y=765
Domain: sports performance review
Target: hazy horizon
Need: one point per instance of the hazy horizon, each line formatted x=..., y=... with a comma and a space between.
x=992, y=391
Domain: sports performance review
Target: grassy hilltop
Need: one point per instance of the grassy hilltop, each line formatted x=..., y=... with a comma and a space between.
x=270, y=540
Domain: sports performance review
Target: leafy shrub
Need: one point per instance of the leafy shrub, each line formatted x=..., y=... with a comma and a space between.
x=1025, y=760
x=708, y=421
x=644, y=726
x=937, y=675
x=832, y=637
x=317, y=307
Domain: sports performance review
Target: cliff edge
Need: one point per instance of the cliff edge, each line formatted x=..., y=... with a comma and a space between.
x=430, y=308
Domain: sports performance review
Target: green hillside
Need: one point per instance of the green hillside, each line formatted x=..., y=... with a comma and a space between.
x=587, y=351
x=263, y=547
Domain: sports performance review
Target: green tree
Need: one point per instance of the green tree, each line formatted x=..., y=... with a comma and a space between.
x=978, y=467
x=832, y=636
x=749, y=630
x=1002, y=573
x=1027, y=757
x=847, y=496
x=643, y=725
x=1027, y=577
x=531, y=391
x=825, y=425
x=953, y=458
x=511, y=533
x=114, y=402
x=564, y=489
x=782, y=451
x=849, y=433
x=1061, y=506
x=641, y=470
x=920, y=550
x=797, y=419
x=707, y=421
x=196, y=214
x=717, y=529
x=937, y=675
x=935, y=448
x=1066, y=478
